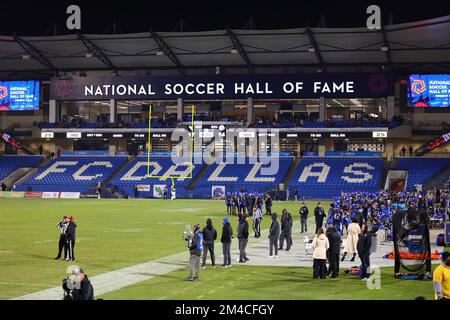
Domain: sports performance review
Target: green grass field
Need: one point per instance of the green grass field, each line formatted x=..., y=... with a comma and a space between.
x=114, y=234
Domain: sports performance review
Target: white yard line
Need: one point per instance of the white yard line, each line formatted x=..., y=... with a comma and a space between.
x=257, y=251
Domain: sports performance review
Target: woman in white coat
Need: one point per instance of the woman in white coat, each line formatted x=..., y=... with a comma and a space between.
x=320, y=246
x=353, y=232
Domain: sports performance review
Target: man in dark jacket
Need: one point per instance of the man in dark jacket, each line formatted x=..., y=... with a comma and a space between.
x=304, y=218
x=242, y=235
x=319, y=215
x=333, y=251
x=227, y=235
x=284, y=230
x=268, y=204
x=363, y=247
x=71, y=238
x=274, y=234
x=86, y=291
x=195, y=250
x=79, y=287
x=209, y=236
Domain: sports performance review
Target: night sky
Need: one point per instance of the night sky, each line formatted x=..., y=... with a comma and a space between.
x=37, y=17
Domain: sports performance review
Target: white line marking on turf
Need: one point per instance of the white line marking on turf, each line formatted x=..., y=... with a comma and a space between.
x=257, y=252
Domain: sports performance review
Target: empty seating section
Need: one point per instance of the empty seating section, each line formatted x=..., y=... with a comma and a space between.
x=73, y=174
x=421, y=169
x=252, y=176
x=9, y=164
x=324, y=178
x=161, y=167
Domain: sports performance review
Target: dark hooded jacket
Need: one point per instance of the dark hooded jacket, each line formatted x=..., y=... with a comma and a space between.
x=209, y=233
x=335, y=241
x=227, y=233
x=285, y=224
x=242, y=231
x=274, y=230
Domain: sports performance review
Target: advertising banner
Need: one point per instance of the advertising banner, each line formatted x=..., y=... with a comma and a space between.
x=11, y=194
x=69, y=195
x=33, y=194
x=240, y=86
x=218, y=192
x=50, y=195
x=158, y=190
x=143, y=187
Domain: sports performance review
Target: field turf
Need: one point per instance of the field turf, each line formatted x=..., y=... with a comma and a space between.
x=113, y=234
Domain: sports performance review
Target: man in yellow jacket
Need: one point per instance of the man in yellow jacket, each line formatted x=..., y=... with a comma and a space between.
x=441, y=278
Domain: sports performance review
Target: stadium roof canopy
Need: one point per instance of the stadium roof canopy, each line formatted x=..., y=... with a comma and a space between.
x=401, y=47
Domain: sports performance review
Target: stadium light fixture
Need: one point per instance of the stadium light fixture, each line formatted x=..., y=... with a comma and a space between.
x=311, y=49
x=159, y=53
x=89, y=55
x=233, y=51
x=384, y=49
x=26, y=57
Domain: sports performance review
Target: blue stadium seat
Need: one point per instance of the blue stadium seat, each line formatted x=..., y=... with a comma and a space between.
x=421, y=169
x=161, y=166
x=9, y=164
x=248, y=175
x=79, y=174
x=324, y=178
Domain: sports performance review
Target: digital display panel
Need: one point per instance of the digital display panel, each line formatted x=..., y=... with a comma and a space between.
x=19, y=95
x=428, y=90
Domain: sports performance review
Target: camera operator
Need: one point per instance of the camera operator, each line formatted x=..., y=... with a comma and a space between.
x=78, y=286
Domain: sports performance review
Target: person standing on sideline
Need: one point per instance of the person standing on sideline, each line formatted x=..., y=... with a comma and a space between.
x=195, y=250
x=227, y=235
x=209, y=236
x=319, y=215
x=62, y=225
x=441, y=278
x=257, y=217
x=268, y=204
x=71, y=238
x=363, y=246
x=284, y=230
x=165, y=193
x=320, y=246
x=351, y=243
x=303, y=218
x=242, y=234
x=289, y=236
x=295, y=194
x=274, y=234
x=334, y=240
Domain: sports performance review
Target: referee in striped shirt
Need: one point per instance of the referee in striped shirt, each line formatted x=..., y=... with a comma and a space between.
x=257, y=217
x=62, y=225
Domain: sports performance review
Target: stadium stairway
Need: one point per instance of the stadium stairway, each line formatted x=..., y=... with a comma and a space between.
x=439, y=180
x=28, y=173
x=291, y=172
x=198, y=177
x=110, y=191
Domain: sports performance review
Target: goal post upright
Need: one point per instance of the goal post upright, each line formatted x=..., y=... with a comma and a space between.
x=191, y=153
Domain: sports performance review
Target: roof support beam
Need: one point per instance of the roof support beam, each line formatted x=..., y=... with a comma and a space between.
x=238, y=46
x=314, y=44
x=386, y=45
x=166, y=49
x=96, y=51
x=34, y=53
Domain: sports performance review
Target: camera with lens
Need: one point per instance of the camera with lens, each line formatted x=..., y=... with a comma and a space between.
x=187, y=235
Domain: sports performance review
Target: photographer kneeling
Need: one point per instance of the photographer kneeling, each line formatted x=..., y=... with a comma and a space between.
x=78, y=286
